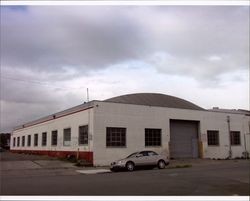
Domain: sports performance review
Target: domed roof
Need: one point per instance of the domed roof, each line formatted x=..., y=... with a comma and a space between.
x=154, y=99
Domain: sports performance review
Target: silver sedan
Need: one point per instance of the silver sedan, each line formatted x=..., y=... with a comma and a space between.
x=140, y=159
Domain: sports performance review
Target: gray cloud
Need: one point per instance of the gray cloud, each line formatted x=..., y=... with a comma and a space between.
x=49, y=38
x=45, y=48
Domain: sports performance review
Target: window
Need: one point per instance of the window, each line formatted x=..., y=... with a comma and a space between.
x=18, y=141
x=23, y=141
x=29, y=140
x=35, y=139
x=115, y=137
x=152, y=137
x=83, y=135
x=54, y=138
x=212, y=137
x=235, y=137
x=147, y=153
x=66, y=136
x=14, y=142
x=152, y=153
x=44, y=139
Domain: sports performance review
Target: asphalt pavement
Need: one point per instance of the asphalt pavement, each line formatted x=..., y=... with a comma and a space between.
x=201, y=177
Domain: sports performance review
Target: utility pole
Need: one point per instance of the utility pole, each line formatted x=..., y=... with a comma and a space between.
x=87, y=94
x=229, y=134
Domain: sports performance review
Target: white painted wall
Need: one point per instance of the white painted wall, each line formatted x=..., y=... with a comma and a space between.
x=72, y=121
x=137, y=117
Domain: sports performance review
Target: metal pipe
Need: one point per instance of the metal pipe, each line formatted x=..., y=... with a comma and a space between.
x=229, y=133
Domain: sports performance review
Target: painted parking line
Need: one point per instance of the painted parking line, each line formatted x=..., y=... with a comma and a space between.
x=98, y=171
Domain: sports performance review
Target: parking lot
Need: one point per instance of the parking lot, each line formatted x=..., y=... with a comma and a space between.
x=41, y=175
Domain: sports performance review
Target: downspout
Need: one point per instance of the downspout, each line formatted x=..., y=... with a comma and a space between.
x=229, y=136
x=88, y=154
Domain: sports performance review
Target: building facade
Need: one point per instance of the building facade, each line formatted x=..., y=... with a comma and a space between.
x=103, y=131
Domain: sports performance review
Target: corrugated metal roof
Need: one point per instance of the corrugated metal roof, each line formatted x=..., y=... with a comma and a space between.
x=154, y=99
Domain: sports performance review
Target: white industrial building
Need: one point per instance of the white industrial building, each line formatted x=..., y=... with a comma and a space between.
x=104, y=131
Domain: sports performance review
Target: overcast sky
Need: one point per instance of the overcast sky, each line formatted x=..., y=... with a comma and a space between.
x=50, y=55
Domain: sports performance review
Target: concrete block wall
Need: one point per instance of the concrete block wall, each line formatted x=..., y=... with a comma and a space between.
x=137, y=117
x=72, y=121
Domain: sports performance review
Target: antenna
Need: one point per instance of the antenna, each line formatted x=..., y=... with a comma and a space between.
x=87, y=94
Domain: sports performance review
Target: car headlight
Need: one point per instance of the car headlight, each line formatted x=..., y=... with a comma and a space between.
x=120, y=162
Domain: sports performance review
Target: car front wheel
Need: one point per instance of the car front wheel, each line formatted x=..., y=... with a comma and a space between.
x=161, y=164
x=130, y=166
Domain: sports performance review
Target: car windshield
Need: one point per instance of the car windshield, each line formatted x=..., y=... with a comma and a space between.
x=132, y=155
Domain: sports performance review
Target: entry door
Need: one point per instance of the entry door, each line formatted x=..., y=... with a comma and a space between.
x=183, y=139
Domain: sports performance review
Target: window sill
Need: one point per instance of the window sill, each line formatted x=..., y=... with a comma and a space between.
x=116, y=147
x=213, y=145
x=157, y=146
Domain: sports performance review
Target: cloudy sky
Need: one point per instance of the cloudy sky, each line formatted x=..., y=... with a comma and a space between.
x=50, y=55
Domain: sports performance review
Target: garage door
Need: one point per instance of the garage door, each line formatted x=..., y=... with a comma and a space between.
x=183, y=139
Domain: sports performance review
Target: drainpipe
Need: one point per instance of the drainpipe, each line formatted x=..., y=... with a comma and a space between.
x=230, y=148
x=88, y=154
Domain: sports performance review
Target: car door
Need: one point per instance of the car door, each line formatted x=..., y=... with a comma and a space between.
x=141, y=158
x=152, y=158
x=137, y=159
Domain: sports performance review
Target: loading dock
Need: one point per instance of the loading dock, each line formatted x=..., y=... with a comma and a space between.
x=184, y=139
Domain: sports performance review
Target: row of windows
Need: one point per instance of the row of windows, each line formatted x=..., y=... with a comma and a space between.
x=82, y=136
x=213, y=137
x=116, y=137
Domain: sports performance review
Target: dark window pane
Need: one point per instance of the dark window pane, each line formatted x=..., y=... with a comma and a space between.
x=36, y=140
x=235, y=137
x=29, y=140
x=14, y=142
x=44, y=139
x=152, y=137
x=83, y=135
x=115, y=137
x=212, y=137
x=54, y=138
x=23, y=141
x=66, y=136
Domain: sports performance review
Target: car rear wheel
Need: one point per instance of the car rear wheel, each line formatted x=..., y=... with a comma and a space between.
x=130, y=166
x=161, y=164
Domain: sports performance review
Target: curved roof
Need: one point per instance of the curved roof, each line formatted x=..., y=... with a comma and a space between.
x=154, y=99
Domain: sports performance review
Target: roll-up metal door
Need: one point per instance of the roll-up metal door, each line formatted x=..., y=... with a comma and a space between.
x=183, y=139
